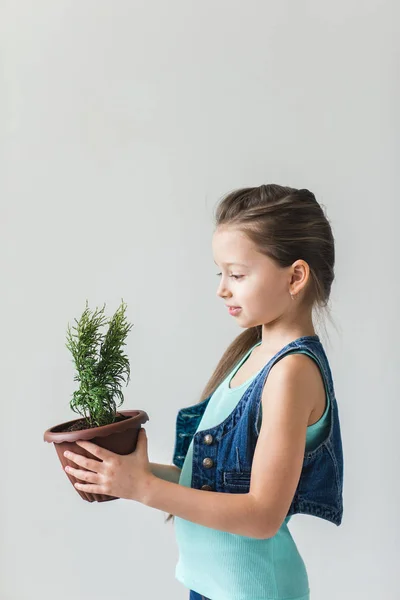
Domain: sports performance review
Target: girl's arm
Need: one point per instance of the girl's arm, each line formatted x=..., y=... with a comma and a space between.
x=166, y=472
x=234, y=513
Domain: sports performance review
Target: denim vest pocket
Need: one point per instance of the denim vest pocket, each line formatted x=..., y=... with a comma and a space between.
x=234, y=481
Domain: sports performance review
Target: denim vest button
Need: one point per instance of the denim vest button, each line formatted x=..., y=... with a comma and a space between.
x=208, y=463
x=206, y=487
x=208, y=439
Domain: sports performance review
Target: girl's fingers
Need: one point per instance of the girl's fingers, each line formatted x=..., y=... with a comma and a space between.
x=96, y=450
x=83, y=475
x=82, y=461
x=90, y=489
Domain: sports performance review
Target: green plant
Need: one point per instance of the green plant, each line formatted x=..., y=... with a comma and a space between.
x=100, y=363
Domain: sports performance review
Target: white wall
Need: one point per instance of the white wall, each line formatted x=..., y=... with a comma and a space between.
x=122, y=124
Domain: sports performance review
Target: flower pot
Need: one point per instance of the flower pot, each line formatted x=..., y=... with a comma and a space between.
x=119, y=437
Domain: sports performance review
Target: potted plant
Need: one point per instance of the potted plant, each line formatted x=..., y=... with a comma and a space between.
x=101, y=365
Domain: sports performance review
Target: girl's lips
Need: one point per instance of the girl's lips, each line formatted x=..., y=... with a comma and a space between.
x=234, y=310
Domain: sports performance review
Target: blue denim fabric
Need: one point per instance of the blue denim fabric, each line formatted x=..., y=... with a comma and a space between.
x=223, y=455
x=195, y=596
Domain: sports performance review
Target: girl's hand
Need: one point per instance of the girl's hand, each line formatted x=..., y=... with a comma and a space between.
x=127, y=476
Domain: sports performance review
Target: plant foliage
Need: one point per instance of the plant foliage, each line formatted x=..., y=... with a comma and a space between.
x=100, y=363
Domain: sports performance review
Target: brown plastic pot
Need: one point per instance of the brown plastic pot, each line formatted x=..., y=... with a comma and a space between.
x=120, y=437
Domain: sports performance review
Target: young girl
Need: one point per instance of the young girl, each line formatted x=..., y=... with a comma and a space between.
x=264, y=441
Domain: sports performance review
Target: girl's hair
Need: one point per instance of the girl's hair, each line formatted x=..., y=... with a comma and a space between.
x=285, y=224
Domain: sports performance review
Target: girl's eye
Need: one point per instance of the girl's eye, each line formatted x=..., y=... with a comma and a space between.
x=234, y=276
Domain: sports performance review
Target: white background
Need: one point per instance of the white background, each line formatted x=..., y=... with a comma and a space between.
x=122, y=124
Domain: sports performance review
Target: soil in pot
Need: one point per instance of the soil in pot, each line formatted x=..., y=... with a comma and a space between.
x=81, y=424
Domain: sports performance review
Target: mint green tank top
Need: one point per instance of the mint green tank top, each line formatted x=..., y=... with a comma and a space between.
x=226, y=566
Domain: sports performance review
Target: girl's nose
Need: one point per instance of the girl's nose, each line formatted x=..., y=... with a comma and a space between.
x=222, y=292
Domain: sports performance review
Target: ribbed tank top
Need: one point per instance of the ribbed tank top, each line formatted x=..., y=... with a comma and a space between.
x=226, y=566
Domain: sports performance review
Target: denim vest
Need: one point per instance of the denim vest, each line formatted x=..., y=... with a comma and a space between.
x=223, y=455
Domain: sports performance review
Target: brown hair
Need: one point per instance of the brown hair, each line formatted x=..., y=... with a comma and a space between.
x=286, y=224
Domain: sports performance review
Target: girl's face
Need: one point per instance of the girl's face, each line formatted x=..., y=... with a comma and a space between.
x=250, y=280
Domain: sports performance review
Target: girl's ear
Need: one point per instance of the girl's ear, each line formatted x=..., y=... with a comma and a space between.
x=300, y=274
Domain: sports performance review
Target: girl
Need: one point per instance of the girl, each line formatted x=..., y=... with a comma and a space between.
x=264, y=440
